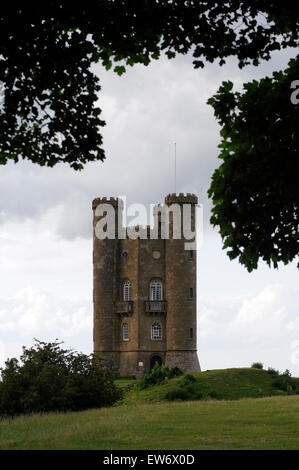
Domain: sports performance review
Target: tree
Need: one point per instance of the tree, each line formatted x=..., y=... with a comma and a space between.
x=50, y=378
x=50, y=111
x=255, y=190
x=50, y=114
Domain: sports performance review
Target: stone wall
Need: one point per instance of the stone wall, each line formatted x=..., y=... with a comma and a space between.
x=140, y=261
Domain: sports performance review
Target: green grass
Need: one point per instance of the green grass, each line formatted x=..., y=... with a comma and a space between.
x=146, y=420
x=263, y=423
x=228, y=384
x=125, y=382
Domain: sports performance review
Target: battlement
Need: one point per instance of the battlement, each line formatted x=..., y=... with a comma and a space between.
x=113, y=201
x=144, y=288
x=181, y=198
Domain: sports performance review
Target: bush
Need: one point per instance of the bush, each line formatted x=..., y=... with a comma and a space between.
x=187, y=380
x=272, y=371
x=286, y=383
x=286, y=373
x=50, y=378
x=187, y=389
x=257, y=365
x=158, y=375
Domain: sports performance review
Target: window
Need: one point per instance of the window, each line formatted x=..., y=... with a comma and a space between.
x=156, y=331
x=127, y=290
x=190, y=333
x=125, y=332
x=191, y=293
x=190, y=254
x=156, y=290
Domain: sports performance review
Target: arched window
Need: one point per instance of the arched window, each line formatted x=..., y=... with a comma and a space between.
x=156, y=331
x=127, y=290
x=156, y=290
x=125, y=332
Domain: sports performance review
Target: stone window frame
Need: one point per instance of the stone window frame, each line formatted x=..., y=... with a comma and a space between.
x=153, y=290
x=156, y=331
x=125, y=331
x=127, y=290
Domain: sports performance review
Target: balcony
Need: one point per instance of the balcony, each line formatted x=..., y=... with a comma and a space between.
x=124, y=308
x=155, y=307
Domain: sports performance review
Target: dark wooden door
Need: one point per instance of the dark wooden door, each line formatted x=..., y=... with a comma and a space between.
x=155, y=359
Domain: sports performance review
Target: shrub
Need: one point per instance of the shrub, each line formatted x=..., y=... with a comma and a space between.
x=158, y=375
x=272, y=371
x=287, y=373
x=290, y=389
x=174, y=372
x=257, y=365
x=187, y=389
x=49, y=378
x=187, y=380
x=286, y=383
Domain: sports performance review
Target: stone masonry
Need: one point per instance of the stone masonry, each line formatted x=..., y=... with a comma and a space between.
x=154, y=320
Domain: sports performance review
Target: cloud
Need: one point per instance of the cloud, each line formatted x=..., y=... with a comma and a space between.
x=238, y=330
x=267, y=314
x=263, y=315
x=32, y=313
x=147, y=110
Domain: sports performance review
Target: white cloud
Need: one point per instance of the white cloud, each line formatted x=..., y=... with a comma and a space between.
x=263, y=326
x=32, y=313
x=263, y=315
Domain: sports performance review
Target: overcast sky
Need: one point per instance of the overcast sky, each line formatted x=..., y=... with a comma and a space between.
x=46, y=222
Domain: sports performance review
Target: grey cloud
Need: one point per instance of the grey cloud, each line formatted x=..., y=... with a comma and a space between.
x=147, y=110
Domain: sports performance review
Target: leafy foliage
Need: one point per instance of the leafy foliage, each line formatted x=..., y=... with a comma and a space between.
x=255, y=190
x=158, y=375
x=257, y=365
x=50, y=378
x=286, y=383
x=187, y=389
x=272, y=371
x=50, y=112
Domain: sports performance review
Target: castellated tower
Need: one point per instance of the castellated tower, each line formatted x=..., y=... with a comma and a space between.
x=145, y=290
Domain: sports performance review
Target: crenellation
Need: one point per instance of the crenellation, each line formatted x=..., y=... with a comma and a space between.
x=113, y=201
x=157, y=328
x=181, y=198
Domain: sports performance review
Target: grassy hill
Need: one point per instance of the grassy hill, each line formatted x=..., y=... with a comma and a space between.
x=146, y=420
x=226, y=384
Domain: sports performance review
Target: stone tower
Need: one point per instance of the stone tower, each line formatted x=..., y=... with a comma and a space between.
x=145, y=289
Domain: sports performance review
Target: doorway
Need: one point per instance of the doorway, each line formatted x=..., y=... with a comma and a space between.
x=155, y=359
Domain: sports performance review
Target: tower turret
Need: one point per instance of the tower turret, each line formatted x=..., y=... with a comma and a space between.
x=181, y=282
x=145, y=287
x=105, y=282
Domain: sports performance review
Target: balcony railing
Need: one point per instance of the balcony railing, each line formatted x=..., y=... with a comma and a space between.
x=156, y=307
x=124, y=308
